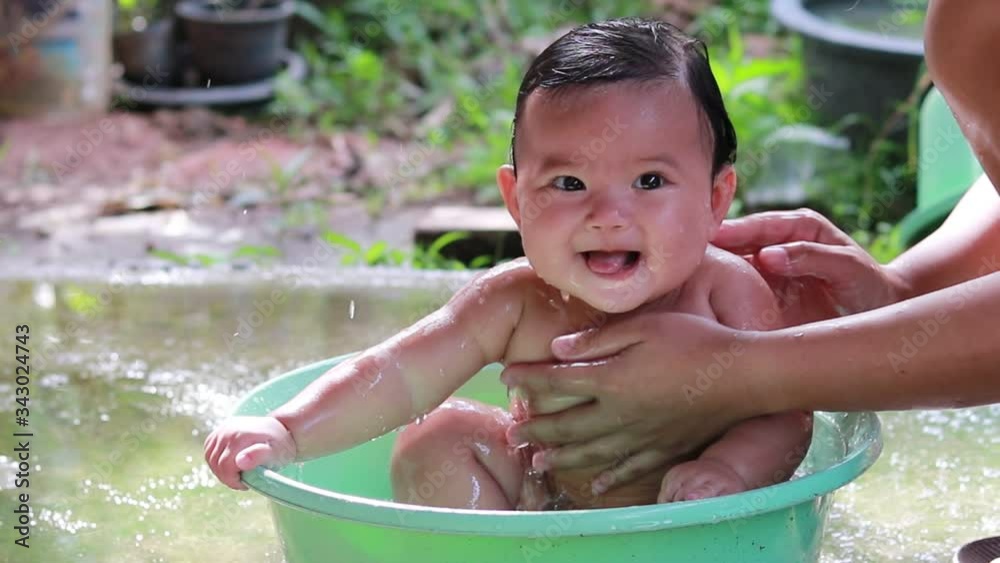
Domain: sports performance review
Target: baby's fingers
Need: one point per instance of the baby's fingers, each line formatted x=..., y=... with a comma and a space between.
x=255, y=455
x=227, y=472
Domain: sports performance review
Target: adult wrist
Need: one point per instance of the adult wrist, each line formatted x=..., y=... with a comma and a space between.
x=766, y=365
x=897, y=277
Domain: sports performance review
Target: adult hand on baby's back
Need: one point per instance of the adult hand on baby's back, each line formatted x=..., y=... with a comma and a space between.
x=639, y=369
x=244, y=442
x=816, y=270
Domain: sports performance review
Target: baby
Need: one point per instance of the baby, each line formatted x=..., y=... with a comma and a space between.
x=621, y=172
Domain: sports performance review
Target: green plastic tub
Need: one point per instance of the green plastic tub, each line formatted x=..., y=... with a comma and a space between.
x=947, y=169
x=340, y=508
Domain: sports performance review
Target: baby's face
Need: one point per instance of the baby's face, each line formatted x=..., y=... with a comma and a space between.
x=614, y=194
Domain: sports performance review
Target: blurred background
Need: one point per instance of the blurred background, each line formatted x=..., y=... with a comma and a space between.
x=237, y=133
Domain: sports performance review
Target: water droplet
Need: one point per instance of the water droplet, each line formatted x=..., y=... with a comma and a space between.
x=798, y=335
x=420, y=419
x=565, y=296
x=209, y=84
x=244, y=211
x=138, y=537
x=350, y=310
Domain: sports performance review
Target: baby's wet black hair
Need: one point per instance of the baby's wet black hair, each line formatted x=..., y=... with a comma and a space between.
x=631, y=49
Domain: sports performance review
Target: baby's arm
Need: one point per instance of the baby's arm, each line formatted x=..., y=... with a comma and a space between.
x=383, y=387
x=757, y=452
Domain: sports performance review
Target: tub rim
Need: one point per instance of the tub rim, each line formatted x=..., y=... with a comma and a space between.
x=295, y=494
x=794, y=15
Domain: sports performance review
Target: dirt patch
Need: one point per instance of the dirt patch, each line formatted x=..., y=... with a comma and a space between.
x=115, y=186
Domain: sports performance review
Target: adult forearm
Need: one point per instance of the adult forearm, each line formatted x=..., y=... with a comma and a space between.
x=937, y=350
x=966, y=246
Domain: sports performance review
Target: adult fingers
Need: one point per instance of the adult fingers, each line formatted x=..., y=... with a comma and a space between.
x=629, y=470
x=749, y=234
x=574, y=425
x=834, y=264
x=603, y=341
x=586, y=454
x=552, y=379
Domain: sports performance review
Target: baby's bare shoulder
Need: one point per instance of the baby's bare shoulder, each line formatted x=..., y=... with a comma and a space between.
x=725, y=268
x=507, y=283
x=739, y=295
x=718, y=270
x=516, y=274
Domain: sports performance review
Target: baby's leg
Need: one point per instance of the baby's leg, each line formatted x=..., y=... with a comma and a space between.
x=458, y=458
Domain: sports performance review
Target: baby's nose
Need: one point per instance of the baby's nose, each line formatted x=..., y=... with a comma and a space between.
x=608, y=215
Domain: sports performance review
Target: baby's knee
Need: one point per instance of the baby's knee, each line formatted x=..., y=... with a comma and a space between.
x=454, y=429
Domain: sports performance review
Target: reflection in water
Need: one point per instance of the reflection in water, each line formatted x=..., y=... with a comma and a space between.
x=126, y=384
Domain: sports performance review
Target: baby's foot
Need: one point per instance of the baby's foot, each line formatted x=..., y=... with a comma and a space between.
x=699, y=479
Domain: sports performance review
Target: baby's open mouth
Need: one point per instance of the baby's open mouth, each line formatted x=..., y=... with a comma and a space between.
x=609, y=263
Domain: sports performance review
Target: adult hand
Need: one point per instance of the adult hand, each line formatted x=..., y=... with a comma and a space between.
x=640, y=416
x=816, y=270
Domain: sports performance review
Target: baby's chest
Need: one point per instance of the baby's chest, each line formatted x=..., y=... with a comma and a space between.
x=545, y=320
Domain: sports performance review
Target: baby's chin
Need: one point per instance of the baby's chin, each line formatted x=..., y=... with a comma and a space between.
x=601, y=301
x=611, y=301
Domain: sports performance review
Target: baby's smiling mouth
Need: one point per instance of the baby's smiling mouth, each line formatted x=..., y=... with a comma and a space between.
x=610, y=263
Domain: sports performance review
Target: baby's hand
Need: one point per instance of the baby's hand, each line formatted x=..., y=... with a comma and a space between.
x=244, y=442
x=698, y=479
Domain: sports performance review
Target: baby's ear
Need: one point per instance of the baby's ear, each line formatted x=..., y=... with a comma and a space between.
x=723, y=191
x=507, y=182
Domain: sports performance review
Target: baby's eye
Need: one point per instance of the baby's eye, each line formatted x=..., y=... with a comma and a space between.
x=649, y=182
x=568, y=183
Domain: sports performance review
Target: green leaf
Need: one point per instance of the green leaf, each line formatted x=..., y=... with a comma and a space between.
x=342, y=241
x=374, y=254
x=170, y=256
x=207, y=259
x=397, y=257
x=479, y=262
x=80, y=301
x=444, y=240
x=252, y=251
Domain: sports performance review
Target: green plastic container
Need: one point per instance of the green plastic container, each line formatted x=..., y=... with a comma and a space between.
x=947, y=168
x=339, y=508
